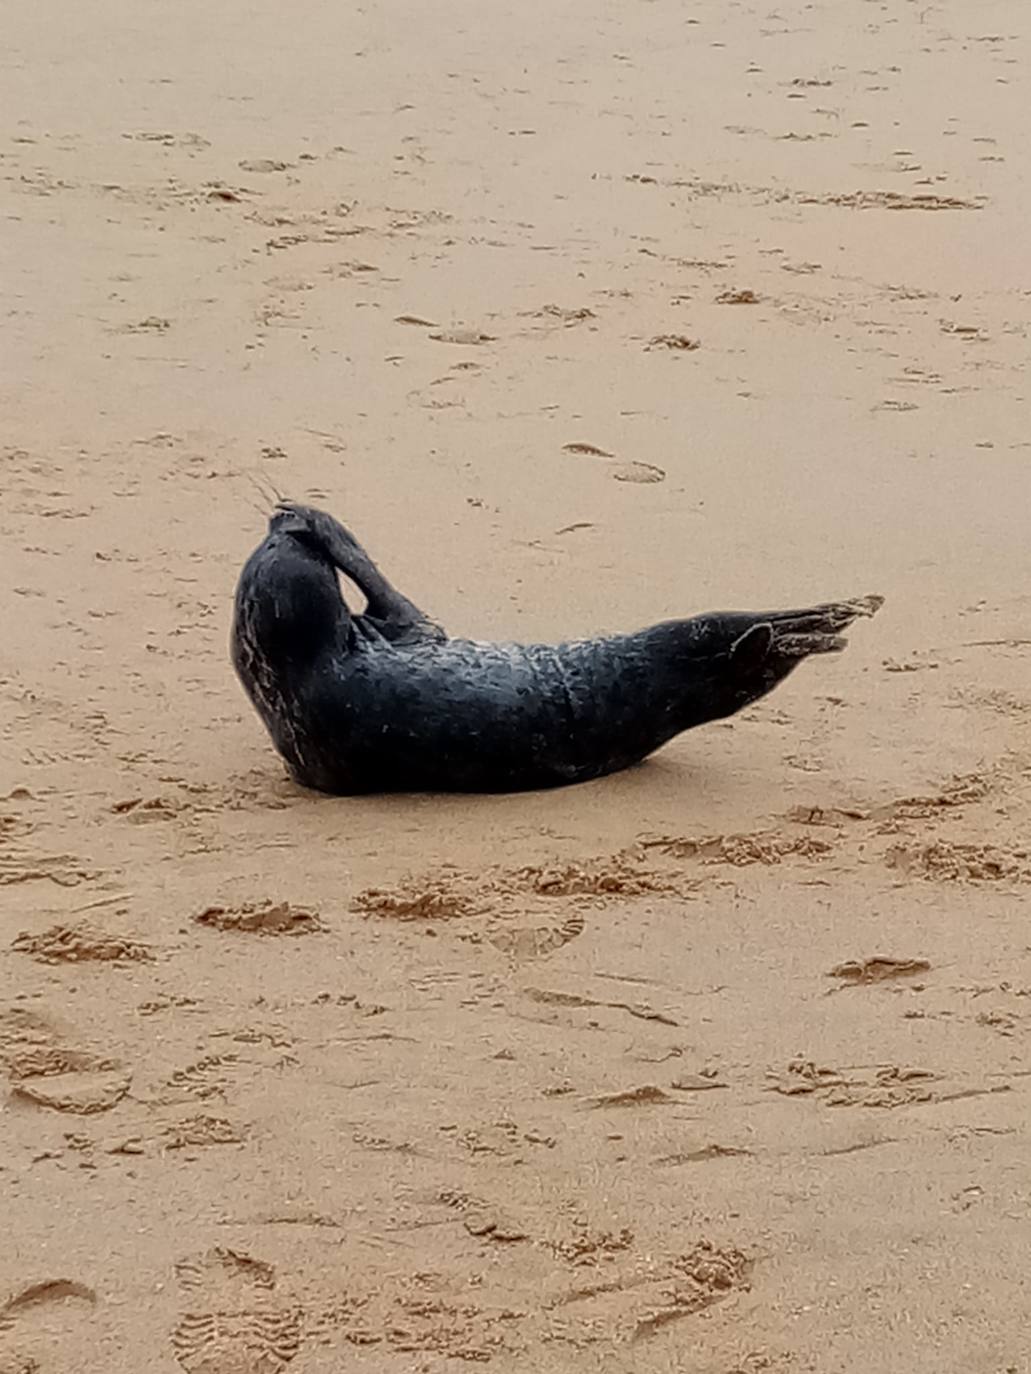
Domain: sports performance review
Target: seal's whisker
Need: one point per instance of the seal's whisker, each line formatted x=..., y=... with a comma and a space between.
x=266, y=489
x=262, y=493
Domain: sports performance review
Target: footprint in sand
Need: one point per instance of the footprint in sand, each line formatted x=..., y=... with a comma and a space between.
x=232, y=1322
x=534, y=942
x=200, y=1132
x=79, y=943
x=201, y=1080
x=66, y=1080
x=11, y=1362
x=633, y=471
x=263, y=164
x=25, y=866
x=465, y=337
x=31, y=1311
x=676, y=343
x=45, y=1072
x=261, y=918
x=45, y=1294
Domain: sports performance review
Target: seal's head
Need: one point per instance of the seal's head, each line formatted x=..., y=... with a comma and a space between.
x=289, y=610
x=295, y=523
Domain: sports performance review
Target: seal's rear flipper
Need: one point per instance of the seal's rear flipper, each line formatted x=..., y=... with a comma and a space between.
x=801, y=646
x=765, y=648
x=831, y=618
x=797, y=634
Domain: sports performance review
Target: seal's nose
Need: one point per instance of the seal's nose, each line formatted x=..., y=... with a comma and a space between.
x=287, y=522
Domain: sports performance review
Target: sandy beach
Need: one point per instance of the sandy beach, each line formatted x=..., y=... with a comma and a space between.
x=582, y=317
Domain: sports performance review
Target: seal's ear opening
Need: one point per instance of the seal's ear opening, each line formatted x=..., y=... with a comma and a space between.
x=750, y=650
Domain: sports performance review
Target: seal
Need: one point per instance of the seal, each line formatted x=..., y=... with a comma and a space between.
x=386, y=701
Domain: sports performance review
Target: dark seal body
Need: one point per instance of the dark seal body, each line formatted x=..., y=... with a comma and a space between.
x=385, y=701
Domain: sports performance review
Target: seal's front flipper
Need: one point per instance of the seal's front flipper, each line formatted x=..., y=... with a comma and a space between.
x=389, y=613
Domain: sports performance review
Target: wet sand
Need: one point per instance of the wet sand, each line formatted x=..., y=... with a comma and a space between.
x=581, y=318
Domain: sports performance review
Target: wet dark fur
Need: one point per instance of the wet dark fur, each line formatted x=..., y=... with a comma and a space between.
x=385, y=701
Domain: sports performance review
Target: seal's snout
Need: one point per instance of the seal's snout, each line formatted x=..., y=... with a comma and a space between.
x=293, y=523
x=283, y=520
